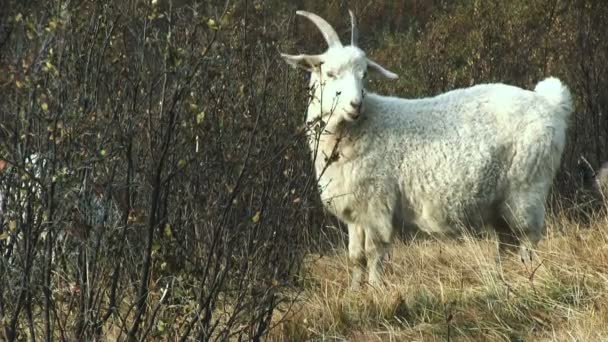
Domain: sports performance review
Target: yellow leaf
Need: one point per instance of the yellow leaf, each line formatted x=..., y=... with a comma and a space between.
x=12, y=225
x=168, y=232
x=200, y=117
x=160, y=326
x=212, y=24
x=256, y=217
x=45, y=106
x=181, y=163
x=3, y=236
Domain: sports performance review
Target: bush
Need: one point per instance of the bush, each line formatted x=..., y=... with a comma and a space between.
x=155, y=180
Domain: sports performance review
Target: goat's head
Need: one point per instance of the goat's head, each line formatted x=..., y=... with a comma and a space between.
x=594, y=181
x=337, y=75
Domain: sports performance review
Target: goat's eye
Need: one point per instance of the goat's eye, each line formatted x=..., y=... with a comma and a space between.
x=331, y=74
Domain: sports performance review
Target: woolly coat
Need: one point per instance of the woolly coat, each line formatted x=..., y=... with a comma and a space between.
x=462, y=158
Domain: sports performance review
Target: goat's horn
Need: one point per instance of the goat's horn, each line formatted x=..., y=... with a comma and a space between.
x=354, y=36
x=328, y=32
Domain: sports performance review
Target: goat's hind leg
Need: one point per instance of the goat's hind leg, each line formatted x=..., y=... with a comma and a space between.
x=520, y=228
x=508, y=242
x=507, y=239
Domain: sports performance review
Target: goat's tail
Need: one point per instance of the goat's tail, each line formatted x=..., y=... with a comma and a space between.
x=554, y=91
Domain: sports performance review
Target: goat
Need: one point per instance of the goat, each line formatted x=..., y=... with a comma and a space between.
x=595, y=182
x=601, y=182
x=465, y=159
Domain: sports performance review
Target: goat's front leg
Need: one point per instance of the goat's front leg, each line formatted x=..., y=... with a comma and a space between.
x=379, y=231
x=356, y=254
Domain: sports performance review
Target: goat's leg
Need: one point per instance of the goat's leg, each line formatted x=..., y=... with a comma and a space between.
x=528, y=241
x=356, y=254
x=521, y=227
x=376, y=248
x=507, y=240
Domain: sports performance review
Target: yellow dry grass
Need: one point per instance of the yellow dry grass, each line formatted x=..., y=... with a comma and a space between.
x=456, y=290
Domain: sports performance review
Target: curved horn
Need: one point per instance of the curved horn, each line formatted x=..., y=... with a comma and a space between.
x=328, y=32
x=354, y=36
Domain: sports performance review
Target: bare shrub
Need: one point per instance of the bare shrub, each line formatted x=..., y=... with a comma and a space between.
x=169, y=195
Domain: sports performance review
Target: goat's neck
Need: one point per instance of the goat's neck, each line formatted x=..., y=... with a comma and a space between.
x=330, y=142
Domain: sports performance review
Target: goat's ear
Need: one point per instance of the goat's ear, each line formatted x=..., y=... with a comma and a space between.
x=306, y=62
x=380, y=70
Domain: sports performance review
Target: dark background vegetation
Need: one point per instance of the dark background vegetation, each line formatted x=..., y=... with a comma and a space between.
x=158, y=180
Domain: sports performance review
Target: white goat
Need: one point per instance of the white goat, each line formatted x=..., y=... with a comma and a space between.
x=484, y=155
x=594, y=181
x=601, y=182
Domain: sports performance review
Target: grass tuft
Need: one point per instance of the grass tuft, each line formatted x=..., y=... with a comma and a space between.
x=455, y=289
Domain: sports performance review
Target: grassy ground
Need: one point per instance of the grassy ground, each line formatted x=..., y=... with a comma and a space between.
x=455, y=290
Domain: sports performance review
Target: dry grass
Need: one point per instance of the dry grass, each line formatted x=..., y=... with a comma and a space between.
x=455, y=290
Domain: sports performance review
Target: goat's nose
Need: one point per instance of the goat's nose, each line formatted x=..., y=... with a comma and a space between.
x=356, y=104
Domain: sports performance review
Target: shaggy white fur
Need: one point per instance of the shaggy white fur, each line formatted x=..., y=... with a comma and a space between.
x=469, y=158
